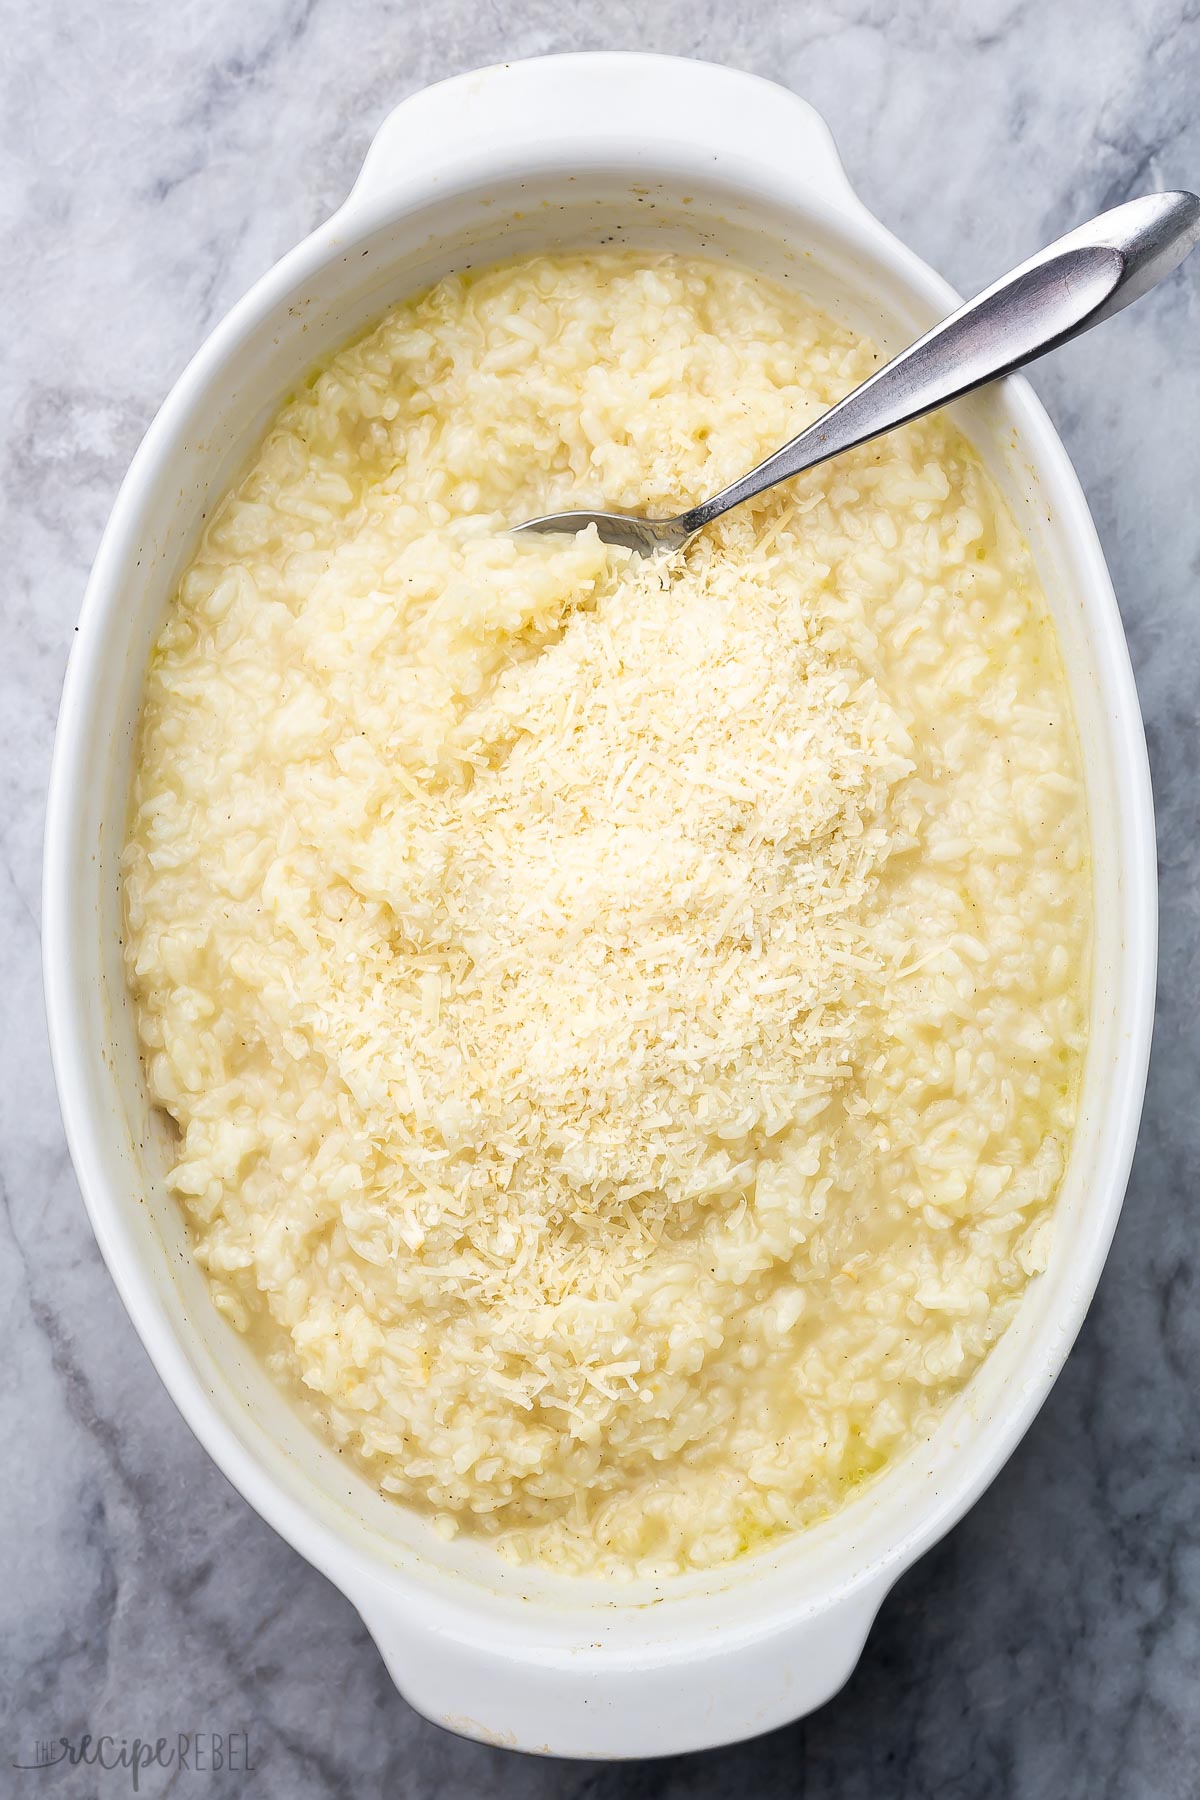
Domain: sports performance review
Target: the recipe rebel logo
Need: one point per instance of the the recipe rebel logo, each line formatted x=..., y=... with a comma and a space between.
x=186, y=1752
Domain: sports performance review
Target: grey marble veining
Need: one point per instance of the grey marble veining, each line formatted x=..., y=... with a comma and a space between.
x=154, y=160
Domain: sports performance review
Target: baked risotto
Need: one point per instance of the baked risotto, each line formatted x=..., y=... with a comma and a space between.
x=622, y=1018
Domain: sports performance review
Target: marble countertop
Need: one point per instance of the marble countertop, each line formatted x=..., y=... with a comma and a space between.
x=155, y=160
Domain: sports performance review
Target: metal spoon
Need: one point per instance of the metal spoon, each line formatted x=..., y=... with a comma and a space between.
x=1084, y=277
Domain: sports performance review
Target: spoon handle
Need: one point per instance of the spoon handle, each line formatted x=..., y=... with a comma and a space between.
x=1085, y=277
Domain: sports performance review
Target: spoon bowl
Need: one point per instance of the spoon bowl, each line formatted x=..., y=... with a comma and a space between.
x=626, y=530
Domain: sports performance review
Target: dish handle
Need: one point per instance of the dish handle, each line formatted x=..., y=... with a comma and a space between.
x=596, y=108
x=511, y=1684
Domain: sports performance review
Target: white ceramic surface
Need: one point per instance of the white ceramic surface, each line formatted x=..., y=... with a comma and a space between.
x=564, y=151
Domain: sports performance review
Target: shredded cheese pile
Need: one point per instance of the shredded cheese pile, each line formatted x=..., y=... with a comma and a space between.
x=631, y=940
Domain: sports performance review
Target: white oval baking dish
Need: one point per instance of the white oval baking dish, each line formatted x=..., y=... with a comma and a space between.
x=570, y=150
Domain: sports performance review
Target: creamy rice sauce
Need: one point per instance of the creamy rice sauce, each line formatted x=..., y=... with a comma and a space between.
x=622, y=1019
